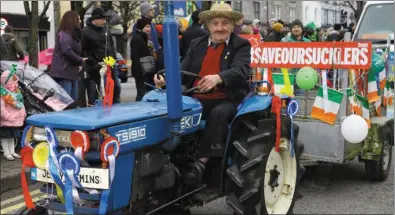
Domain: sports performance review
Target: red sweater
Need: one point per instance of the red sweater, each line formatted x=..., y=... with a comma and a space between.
x=211, y=66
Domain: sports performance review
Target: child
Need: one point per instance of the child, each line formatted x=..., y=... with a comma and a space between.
x=13, y=113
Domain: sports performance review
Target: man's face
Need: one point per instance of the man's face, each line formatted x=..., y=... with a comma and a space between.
x=99, y=22
x=220, y=29
x=296, y=30
x=150, y=14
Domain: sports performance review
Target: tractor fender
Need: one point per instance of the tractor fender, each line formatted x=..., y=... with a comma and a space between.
x=383, y=123
x=253, y=104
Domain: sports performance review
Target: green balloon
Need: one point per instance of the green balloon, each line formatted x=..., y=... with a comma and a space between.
x=378, y=63
x=306, y=78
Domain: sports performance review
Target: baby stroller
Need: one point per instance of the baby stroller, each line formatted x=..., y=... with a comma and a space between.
x=40, y=92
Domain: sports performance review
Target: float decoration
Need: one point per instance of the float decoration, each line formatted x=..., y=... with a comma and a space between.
x=109, y=151
x=354, y=129
x=306, y=78
x=109, y=82
x=292, y=109
x=70, y=167
x=27, y=162
x=81, y=143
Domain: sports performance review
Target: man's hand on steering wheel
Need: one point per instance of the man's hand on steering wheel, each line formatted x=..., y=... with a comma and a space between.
x=209, y=82
x=159, y=81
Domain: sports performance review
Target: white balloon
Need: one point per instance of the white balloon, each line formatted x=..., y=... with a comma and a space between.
x=354, y=129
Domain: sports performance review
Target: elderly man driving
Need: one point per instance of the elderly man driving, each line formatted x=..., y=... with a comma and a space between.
x=222, y=59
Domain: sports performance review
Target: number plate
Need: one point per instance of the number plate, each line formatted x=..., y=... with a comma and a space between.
x=89, y=177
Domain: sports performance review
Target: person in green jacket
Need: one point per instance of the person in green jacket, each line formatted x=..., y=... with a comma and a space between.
x=296, y=33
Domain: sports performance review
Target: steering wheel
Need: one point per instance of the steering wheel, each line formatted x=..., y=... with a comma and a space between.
x=193, y=90
x=162, y=73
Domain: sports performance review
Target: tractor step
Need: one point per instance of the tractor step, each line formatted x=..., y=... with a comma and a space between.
x=251, y=191
x=251, y=162
x=206, y=196
x=242, y=147
x=234, y=204
x=235, y=174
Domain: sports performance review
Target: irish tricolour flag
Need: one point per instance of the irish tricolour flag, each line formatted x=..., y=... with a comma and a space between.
x=387, y=100
x=278, y=82
x=333, y=104
x=364, y=104
x=373, y=94
x=355, y=106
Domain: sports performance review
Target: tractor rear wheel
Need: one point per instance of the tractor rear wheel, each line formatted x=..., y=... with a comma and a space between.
x=262, y=180
x=380, y=169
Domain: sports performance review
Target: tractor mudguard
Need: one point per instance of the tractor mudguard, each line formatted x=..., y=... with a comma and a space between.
x=371, y=148
x=383, y=122
x=253, y=104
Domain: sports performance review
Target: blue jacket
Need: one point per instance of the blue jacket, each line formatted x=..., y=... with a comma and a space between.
x=154, y=35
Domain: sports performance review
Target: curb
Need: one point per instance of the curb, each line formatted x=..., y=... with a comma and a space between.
x=14, y=182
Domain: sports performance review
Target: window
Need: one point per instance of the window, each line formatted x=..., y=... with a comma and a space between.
x=238, y=6
x=291, y=14
x=306, y=12
x=315, y=14
x=257, y=10
x=277, y=12
x=325, y=21
x=370, y=30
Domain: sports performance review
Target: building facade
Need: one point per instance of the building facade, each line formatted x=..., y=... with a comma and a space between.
x=311, y=12
x=333, y=12
x=267, y=10
x=13, y=13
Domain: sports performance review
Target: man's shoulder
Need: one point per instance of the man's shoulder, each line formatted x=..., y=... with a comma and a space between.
x=197, y=41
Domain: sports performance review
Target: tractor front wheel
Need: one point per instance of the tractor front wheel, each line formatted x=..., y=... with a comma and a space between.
x=263, y=181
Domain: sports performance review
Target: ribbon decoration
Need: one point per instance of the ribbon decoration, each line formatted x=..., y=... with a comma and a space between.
x=81, y=143
x=71, y=168
x=53, y=164
x=287, y=89
x=109, y=151
x=102, y=74
x=40, y=155
x=27, y=162
x=276, y=109
x=109, y=88
x=292, y=109
x=325, y=91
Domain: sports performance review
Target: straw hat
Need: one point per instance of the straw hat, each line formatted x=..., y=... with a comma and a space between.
x=220, y=10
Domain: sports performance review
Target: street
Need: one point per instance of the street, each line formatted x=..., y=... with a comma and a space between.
x=347, y=192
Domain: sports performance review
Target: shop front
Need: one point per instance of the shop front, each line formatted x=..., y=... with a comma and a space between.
x=20, y=25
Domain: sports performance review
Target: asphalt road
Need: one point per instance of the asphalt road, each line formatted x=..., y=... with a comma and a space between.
x=347, y=190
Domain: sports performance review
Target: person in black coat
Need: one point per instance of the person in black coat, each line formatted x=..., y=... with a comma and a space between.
x=141, y=46
x=97, y=43
x=191, y=33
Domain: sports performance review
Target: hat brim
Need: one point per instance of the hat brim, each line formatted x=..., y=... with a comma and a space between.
x=206, y=16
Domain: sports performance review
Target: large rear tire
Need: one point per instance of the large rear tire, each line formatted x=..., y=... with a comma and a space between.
x=262, y=181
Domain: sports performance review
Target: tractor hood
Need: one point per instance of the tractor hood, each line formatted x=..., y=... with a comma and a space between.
x=153, y=105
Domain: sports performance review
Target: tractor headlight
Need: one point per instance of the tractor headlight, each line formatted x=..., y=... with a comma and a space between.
x=63, y=136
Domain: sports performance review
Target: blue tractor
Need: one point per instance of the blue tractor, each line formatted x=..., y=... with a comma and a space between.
x=138, y=153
